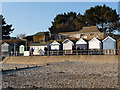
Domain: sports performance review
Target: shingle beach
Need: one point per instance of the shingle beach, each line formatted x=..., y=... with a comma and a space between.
x=65, y=75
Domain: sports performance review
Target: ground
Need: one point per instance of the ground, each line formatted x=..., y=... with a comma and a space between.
x=67, y=74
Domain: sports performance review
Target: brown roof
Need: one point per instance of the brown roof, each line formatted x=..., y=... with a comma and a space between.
x=13, y=40
x=87, y=29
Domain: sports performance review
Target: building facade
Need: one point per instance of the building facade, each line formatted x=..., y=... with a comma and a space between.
x=86, y=33
x=41, y=37
x=38, y=48
x=109, y=43
x=82, y=44
x=55, y=45
x=95, y=44
x=118, y=44
x=67, y=44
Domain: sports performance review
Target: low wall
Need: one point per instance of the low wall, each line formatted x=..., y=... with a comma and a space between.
x=50, y=59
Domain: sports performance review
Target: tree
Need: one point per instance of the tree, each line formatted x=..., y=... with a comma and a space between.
x=66, y=23
x=6, y=29
x=98, y=15
x=113, y=28
x=21, y=36
x=79, y=22
x=101, y=15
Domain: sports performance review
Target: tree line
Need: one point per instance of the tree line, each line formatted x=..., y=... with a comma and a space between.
x=98, y=15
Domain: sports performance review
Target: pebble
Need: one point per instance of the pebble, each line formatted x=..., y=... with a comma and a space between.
x=65, y=75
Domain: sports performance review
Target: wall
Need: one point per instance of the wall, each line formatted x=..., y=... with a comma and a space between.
x=55, y=47
x=109, y=44
x=86, y=35
x=82, y=46
x=39, y=38
x=118, y=44
x=94, y=45
x=67, y=46
x=50, y=59
x=38, y=47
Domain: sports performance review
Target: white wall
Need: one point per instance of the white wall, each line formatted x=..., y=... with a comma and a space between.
x=4, y=47
x=38, y=50
x=38, y=47
x=67, y=46
x=94, y=45
x=54, y=47
x=81, y=41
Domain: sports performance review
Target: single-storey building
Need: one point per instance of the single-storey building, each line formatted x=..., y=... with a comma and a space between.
x=109, y=43
x=5, y=47
x=68, y=46
x=21, y=49
x=82, y=44
x=55, y=45
x=94, y=44
x=55, y=48
x=38, y=48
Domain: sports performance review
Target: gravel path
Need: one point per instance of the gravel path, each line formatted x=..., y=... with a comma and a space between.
x=65, y=75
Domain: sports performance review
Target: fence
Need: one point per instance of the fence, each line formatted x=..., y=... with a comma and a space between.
x=66, y=52
x=84, y=52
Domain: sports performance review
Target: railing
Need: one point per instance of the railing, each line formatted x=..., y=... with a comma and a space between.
x=66, y=52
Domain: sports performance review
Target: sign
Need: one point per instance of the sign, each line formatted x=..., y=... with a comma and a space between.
x=26, y=53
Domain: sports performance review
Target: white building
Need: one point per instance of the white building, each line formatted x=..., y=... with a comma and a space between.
x=67, y=44
x=81, y=43
x=39, y=48
x=5, y=47
x=94, y=43
x=55, y=45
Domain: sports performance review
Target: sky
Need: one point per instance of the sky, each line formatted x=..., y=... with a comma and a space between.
x=33, y=17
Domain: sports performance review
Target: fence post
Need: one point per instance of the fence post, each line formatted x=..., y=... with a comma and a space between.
x=16, y=53
x=107, y=52
x=114, y=51
x=51, y=52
